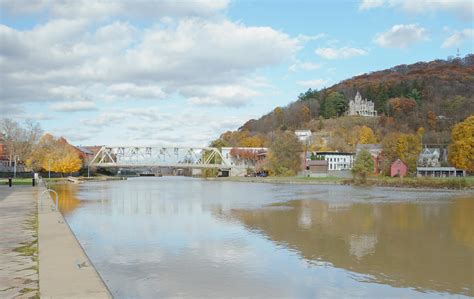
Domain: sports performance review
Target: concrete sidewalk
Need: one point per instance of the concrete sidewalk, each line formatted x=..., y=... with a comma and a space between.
x=18, y=246
x=64, y=269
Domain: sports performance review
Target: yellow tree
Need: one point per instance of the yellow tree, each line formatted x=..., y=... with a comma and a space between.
x=54, y=155
x=253, y=141
x=366, y=136
x=67, y=160
x=461, y=149
x=406, y=147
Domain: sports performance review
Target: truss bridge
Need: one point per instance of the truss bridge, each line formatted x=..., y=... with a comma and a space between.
x=175, y=157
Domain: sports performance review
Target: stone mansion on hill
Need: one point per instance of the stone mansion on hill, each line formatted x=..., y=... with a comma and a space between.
x=362, y=107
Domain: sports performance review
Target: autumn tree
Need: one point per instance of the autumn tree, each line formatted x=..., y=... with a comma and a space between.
x=363, y=166
x=366, y=136
x=406, y=147
x=55, y=155
x=252, y=141
x=461, y=149
x=432, y=121
x=284, y=157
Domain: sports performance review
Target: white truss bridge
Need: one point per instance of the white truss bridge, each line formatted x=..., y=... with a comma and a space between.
x=155, y=156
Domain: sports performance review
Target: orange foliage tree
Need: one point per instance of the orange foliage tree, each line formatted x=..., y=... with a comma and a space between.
x=55, y=155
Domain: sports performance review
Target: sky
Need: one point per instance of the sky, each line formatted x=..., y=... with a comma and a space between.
x=181, y=72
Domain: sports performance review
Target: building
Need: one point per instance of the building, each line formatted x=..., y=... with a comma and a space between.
x=439, y=171
x=243, y=156
x=317, y=168
x=375, y=151
x=362, y=107
x=430, y=157
x=303, y=135
x=398, y=168
x=337, y=160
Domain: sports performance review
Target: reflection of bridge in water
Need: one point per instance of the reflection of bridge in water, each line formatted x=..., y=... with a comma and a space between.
x=171, y=157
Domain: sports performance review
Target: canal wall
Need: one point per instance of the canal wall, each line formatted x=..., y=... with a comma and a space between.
x=65, y=271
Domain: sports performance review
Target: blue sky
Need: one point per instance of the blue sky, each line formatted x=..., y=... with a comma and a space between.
x=181, y=72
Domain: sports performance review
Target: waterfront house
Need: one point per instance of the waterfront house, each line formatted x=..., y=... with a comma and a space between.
x=337, y=160
x=439, y=171
x=398, y=168
x=429, y=157
x=375, y=151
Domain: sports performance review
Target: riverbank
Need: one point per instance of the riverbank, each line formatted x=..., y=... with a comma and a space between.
x=65, y=271
x=423, y=182
x=39, y=254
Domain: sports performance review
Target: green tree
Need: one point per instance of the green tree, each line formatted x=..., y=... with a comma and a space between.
x=363, y=166
x=415, y=94
x=335, y=104
x=284, y=157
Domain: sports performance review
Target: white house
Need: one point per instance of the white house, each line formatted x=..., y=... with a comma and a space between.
x=429, y=157
x=337, y=160
x=303, y=135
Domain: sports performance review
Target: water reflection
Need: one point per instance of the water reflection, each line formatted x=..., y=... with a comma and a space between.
x=191, y=238
x=413, y=245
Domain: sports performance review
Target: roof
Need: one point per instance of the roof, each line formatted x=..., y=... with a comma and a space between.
x=334, y=153
x=400, y=161
x=430, y=151
x=84, y=150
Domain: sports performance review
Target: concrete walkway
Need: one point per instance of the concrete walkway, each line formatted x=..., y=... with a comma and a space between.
x=18, y=246
x=64, y=269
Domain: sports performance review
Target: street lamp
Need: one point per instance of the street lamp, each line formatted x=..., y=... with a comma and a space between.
x=49, y=169
x=15, y=160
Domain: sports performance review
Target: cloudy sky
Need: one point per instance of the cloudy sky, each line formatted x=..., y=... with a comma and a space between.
x=179, y=72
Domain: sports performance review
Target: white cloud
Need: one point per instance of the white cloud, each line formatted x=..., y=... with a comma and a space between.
x=103, y=9
x=339, y=53
x=47, y=64
x=315, y=83
x=230, y=95
x=304, y=65
x=464, y=9
x=401, y=36
x=133, y=91
x=369, y=4
x=73, y=106
x=459, y=37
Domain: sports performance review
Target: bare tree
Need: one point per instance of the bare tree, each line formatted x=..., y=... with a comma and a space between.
x=19, y=140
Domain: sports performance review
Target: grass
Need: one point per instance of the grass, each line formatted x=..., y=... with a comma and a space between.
x=423, y=182
x=31, y=249
x=16, y=181
x=287, y=180
x=410, y=182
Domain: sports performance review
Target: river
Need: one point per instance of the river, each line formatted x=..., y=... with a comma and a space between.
x=185, y=237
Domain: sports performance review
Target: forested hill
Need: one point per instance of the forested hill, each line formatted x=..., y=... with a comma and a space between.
x=433, y=95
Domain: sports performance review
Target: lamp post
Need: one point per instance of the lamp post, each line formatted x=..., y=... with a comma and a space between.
x=49, y=169
x=15, y=160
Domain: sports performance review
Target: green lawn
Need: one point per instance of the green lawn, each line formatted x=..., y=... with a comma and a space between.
x=16, y=181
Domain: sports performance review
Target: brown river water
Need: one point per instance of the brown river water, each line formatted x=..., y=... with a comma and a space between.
x=185, y=237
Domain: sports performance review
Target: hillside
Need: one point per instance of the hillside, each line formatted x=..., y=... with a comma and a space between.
x=433, y=95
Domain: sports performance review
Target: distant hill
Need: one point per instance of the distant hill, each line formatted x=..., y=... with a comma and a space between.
x=433, y=95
